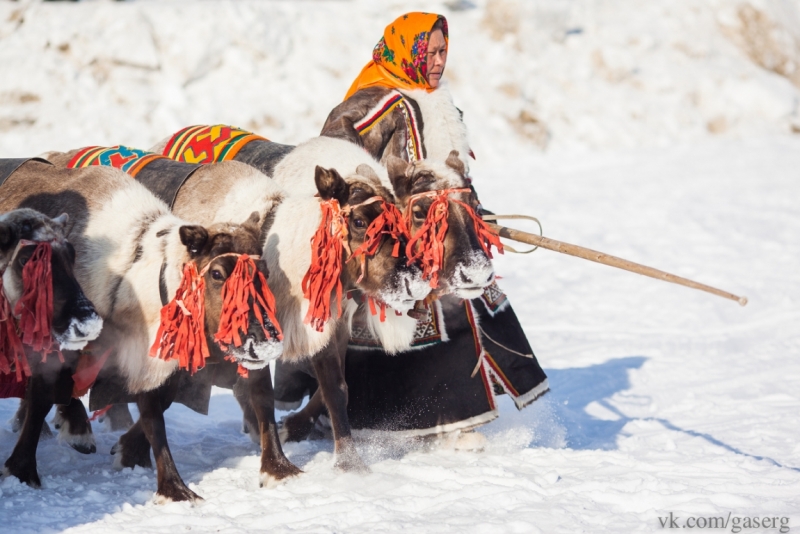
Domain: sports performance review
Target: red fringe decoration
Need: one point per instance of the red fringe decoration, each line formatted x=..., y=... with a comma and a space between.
x=12, y=353
x=427, y=244
x=35, y=306
x=389, y=223
x=486, y=236
x=323, y=276
x=181, y=334
x=235, y=307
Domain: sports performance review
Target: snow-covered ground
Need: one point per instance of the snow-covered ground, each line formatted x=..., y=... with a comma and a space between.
x=663, y=399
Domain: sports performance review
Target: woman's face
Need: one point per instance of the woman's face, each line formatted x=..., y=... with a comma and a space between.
x=437, y=57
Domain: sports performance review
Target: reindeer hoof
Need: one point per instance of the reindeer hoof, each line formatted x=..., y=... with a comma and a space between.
x=25, y=472
x=130, y=453
x=176, y=493
x=282, y=472
x=351, y=463
x=295, y=428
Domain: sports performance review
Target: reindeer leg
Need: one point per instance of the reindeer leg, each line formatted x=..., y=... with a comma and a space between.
x=249, y=420
x=297, y=426
x=18, y=420
x=74, y=428
x=152, y=405
x=274, y=464
x=38, y=401
x=329, y=368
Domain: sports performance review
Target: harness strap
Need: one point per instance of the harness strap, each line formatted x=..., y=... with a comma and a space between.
x=9, y=165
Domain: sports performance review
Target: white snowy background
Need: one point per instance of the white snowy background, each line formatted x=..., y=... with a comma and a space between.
x=666, y=132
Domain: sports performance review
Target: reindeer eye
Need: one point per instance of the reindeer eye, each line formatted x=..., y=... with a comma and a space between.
x=360, y=223
x=418, y=213
x=216, y=274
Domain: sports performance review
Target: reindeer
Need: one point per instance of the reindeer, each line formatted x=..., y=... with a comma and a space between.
x=133, y=255
x=435, y=197
x=28, y=237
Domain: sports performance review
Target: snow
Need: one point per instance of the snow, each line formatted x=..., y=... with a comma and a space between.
x=663, y=399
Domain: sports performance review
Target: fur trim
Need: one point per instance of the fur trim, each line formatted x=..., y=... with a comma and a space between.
x=442, y=130
x=527, y=398
x=466, y=424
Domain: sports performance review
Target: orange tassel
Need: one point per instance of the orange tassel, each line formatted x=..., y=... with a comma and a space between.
x=12, y=353
x=389, y=223
x=35, y=306
x=181, y=334
x=236, y=293
x=486, y=236
x=323, y=276
x=427, y=244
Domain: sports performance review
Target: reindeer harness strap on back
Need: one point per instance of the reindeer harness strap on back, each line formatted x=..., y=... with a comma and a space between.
x=9, y=165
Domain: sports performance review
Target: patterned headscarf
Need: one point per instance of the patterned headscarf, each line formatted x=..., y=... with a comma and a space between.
x=399, y=60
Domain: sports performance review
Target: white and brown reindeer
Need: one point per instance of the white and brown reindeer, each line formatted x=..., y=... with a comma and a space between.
x=44, y=319
x=436, y=197
x=447, y=238
x=132, y=255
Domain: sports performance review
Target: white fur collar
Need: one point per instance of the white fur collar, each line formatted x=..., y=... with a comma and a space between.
x=443, y=129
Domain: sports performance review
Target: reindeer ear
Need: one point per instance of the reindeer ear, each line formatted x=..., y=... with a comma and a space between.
x=330, y=184
x=253, y=219
x=7, y=235
x=455, y=163
x=194, y=238
x=399, y=176
x=367, y=172
x=62, y=219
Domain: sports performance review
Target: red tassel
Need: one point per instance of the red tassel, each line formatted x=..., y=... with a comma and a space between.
x=389, y=223
x=12, y=353
x=35, y=306
x=181, y=334
x=427, y=244
x=486, y=236
x=323, y=276
x=236, y=293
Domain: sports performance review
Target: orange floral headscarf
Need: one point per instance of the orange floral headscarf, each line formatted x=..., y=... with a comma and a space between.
x=399, y=60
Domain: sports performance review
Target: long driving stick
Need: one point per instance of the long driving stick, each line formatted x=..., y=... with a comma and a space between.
x=605, y=259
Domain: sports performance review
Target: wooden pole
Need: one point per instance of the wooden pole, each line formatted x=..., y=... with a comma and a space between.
x=606, y=259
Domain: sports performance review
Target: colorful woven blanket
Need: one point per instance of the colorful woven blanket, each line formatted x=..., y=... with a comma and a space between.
x=130, y=160
x=208, y=144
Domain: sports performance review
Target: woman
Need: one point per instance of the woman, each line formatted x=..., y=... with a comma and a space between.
x=398, y=105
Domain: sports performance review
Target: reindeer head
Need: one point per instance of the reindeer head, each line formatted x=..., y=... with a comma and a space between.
x=372, y=238
x=437, y=203
x=23, y=234
x=237, y=306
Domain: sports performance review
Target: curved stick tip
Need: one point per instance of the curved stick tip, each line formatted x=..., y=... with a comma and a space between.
x=742, y=301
